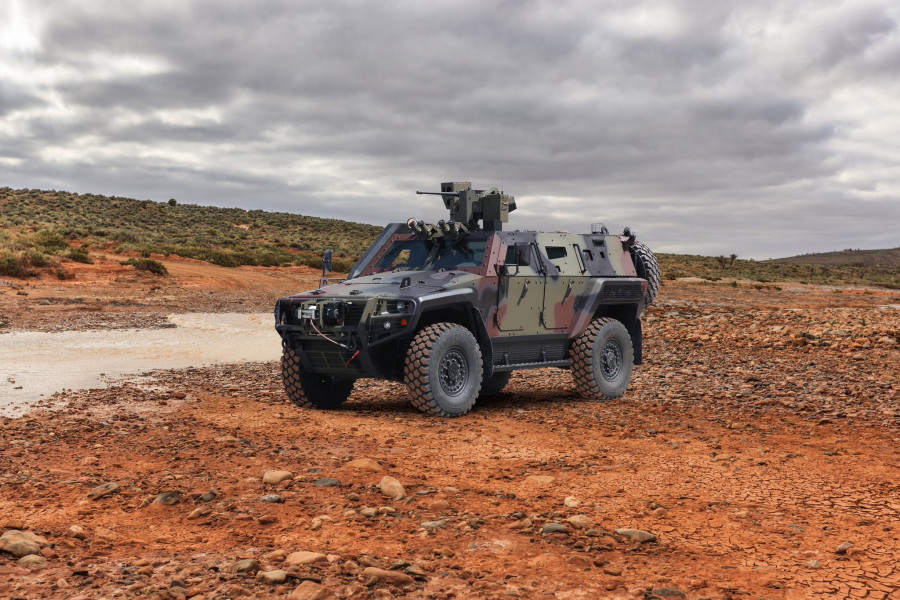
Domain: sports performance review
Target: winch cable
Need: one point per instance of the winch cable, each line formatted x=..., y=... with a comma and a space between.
x=344, y=346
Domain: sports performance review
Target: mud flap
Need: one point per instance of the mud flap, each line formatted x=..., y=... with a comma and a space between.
x=637, y=340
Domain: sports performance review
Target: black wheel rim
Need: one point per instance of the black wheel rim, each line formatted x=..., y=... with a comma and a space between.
x=454, y=372
x=611, y=360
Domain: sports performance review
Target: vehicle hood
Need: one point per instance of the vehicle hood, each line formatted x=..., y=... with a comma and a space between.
x=401, y=284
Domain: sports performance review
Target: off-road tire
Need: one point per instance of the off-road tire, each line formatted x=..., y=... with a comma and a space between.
x=602, y=360
x=647, y=267
x=312, y=390
x=443, y=370
x=495, y=383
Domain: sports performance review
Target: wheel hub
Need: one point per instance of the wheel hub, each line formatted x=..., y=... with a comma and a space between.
x=611, y=360
x=454, y=372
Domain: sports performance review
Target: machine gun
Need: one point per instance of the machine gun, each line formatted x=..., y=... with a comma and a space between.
x=470, y=206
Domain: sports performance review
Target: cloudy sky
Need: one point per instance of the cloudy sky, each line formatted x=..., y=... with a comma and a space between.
x=765, y=128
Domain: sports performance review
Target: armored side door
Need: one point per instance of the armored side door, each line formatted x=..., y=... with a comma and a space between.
x=520, y=298
x=565, y=280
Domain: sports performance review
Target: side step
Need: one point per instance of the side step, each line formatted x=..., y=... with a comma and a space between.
x=563, y=364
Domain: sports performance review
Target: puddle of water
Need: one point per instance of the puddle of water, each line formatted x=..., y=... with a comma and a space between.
x=36, y=364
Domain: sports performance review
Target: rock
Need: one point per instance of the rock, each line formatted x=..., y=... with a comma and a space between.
x=103, y=490
x=392, y=488
x=248, y=565
x=373, y=575
x=439, y=506
x=580, y=521
x=368, y=512
x=77, y=532
x=666, y=593
x=842, y=549
x=200, y=511
x=814, y=564
x=364, y=464
x=272, y=499
x=540, y=479
x=21, y=543
x=636, y=535
x=309, y=590
x=327, y=482
x=272, y=577
x=615, y=572
x=207, y=497
x=555, y=528
x=33, y=562
x=416, y=571
x=169, y=498
x=432, y=525
x=571, y=502
x=101, y=533
x=14, y=524
x=304, y=558
x=353, y=497
x=276, y=477
x=276, y=556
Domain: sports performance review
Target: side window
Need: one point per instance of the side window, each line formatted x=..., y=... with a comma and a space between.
x=556, y=252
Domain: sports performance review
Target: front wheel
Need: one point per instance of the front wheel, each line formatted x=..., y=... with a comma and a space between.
x=443, y=370
x=311, y=390
x=602, y=360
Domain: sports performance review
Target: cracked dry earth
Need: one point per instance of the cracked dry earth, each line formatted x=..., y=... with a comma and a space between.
x=757, y=446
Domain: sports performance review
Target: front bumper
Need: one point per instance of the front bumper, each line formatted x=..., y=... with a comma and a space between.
x=365, y=342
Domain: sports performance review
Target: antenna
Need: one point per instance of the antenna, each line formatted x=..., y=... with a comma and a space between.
x=501, y=156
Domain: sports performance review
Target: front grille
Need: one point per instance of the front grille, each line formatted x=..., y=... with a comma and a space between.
x=353, y=313
x=325, y=355
x=622, y=291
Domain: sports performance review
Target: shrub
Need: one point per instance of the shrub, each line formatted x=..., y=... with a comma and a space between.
x=80, y=255
x=15, y=266
x=47, y=239
x=38, y=259
x=145, y=264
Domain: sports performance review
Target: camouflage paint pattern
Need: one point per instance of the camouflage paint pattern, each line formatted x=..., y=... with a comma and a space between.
x=524, y=316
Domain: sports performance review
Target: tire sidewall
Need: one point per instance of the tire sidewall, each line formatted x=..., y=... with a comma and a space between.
x=464, y=342
x=613, y=333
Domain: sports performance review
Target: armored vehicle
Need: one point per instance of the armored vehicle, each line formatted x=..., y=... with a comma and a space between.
x=452, y=308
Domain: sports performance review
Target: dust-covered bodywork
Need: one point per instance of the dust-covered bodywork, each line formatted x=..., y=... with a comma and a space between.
x=524, y=296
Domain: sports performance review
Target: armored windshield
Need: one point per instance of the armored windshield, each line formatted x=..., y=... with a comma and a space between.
x=422, y=255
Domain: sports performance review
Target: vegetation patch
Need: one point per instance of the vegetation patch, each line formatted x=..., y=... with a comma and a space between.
x=146, y=264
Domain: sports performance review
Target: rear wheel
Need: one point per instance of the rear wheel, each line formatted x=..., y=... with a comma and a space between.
x=443, y=370
x=647, y=267
x=311, y=390
x=495, y=383
x=602, y=360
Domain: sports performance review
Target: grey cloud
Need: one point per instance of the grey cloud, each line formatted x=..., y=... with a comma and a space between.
x=701, y=127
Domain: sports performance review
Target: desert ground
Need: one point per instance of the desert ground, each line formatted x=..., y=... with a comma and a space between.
x=755, y=456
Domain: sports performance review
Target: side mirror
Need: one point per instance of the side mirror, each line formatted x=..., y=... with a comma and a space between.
x=327, y=262
x=523, y=254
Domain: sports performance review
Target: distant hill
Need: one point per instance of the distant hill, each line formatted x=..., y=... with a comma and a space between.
x=36, y=223
x=869, y=258
x=42, y=229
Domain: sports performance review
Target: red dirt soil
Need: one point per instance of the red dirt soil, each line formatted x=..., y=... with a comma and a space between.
x=759, y=436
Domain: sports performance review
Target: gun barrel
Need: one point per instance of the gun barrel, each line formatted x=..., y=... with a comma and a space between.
x=438, y=193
